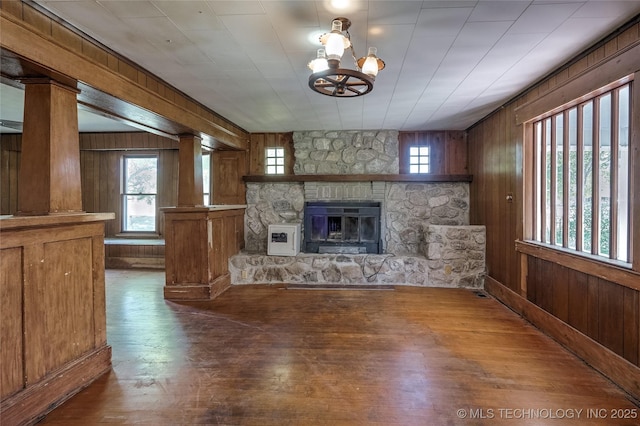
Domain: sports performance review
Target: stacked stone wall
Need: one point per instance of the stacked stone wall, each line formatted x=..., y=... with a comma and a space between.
x=409, y=207
x=456, y=255
x=270, y=203
x=346, y=152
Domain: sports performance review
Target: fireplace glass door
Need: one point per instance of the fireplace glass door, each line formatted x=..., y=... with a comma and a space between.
x=342, y=228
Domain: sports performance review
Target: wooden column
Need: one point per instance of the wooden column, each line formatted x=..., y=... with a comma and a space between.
x=190, y=172
x=49, y=173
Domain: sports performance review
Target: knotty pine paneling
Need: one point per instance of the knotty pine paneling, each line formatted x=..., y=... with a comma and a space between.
x=260, y=141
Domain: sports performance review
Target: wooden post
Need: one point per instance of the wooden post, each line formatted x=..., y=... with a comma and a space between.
x=49, y=173
x=190, y=172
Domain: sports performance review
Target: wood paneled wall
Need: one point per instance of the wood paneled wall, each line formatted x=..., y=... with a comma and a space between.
x=9, y=164
x=261, y=141
x=603, y=309
x=227, y=170
x=101, y=160
x=448, y=151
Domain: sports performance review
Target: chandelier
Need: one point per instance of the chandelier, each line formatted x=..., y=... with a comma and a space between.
x=329, y=79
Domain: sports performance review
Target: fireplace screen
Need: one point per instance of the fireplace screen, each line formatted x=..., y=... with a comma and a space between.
x=342, y=227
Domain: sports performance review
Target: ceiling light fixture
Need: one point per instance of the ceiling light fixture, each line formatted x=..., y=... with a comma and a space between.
x=329, y=79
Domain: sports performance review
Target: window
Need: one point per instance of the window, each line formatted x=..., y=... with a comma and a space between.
x=139, y=183
x=419, y=159
x=275, y=161
x=206, y=177
x=581, y=173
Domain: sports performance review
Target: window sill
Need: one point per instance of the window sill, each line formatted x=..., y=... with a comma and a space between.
x=138, y=235
x=615, y=271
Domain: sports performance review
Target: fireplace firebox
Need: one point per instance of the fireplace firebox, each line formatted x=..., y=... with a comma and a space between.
x=342, y=227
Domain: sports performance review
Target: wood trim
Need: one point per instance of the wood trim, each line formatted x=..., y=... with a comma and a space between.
x=17, y=222
x=618, y=66
x=613, y=366
x=36, y=401
x=596, y=267
x=359, y=178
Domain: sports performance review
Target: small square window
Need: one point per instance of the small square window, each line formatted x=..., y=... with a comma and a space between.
x=274, y=161
x=419, y=159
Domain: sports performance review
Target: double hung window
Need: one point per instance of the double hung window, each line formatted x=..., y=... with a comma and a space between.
x=139, y=192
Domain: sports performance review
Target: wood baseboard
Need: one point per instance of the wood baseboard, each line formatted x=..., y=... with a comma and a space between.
x=198, y=291
x=35, y=401
x=617, y=369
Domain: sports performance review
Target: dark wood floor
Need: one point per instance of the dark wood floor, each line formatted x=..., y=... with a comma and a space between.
x=269, y=356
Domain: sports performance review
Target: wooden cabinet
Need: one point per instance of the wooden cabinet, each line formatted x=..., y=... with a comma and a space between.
x=198, y=244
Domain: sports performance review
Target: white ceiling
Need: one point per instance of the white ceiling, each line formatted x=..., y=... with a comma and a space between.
x=448, y=63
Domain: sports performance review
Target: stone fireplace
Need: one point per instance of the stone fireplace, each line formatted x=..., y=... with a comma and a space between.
x=424, y=233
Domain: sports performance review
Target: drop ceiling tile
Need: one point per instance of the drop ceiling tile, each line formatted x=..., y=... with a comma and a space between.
x=250, y=29
x=607, y=9
x=190, y=15
x=441, y=22
x=434, y=4
x=157, y=30
x=131, y=8
x=243, y=7
x=285, y=14
x=543, y=18
x=398, y=12
x=498, y=11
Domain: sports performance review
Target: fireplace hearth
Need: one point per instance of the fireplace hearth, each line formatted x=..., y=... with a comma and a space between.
x=348, y=227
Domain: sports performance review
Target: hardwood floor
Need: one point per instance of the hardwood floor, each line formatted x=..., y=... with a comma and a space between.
x=272, y=356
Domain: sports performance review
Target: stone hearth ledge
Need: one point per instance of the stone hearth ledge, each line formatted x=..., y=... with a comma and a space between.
x=454, y=258
x=346, y=269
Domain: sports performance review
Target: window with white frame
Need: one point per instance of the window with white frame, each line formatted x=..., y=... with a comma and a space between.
x=274, y=164
x=419, y=159
x=139, y=192
x=206, y=177
x=581, y=174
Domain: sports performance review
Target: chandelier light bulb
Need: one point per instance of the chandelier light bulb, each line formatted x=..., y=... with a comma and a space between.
x=320, y=63
x=335, y=42
x=370, y=66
